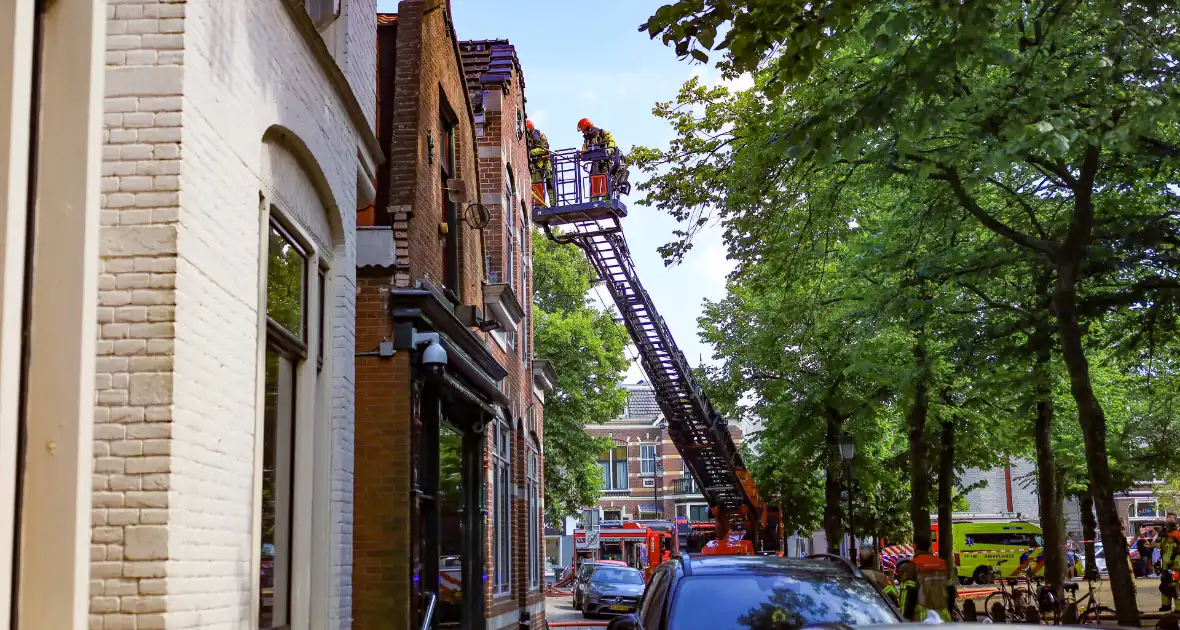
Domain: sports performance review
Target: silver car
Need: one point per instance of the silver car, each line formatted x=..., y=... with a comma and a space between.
x=612, y=590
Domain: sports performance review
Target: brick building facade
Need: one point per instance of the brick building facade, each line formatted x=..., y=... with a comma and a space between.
x=449, y=397
x=496, y=87
x=238, y=144
x=644, y=475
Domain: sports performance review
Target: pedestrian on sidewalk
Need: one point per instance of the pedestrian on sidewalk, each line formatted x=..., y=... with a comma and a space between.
x=1071, y=555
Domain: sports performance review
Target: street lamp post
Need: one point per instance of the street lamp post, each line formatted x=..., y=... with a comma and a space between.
x=847, y=452
x=660, y=469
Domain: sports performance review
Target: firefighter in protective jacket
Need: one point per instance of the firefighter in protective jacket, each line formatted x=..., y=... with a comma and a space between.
x=599, y=138
x=1169, y=545
x=925, y=585
x=540, y=166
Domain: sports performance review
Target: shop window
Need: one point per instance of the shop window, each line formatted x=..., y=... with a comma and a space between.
x=502, y=508
x=535, y=516
x=647, y=459
x=614, y=468
x=286, y=296
x=698, y=513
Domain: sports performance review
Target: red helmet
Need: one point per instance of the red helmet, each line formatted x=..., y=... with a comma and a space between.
x=584, y=124
x=528, y=124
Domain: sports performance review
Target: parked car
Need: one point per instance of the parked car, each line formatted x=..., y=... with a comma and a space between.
x=582, y=581
x=756, y=592
x=612, y=590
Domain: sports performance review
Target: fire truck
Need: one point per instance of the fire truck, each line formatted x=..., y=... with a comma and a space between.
x=642, y=545
x=587, y=210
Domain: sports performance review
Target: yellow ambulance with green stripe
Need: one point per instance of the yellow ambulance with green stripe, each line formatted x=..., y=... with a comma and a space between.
x=985, y=549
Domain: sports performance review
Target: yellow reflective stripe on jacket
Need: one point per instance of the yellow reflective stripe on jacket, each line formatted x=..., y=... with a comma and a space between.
x=598, y=138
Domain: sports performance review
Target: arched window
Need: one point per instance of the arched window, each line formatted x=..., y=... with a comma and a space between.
x=298, y=237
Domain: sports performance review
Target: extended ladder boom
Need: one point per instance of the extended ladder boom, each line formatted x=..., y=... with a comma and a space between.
x=586, y=212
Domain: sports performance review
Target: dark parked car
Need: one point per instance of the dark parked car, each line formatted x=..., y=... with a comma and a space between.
x=757, y=593
x=582, y=581
x=612, y=590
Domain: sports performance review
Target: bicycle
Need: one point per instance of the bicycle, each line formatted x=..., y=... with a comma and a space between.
x=1012, y=601
x=1092, y=614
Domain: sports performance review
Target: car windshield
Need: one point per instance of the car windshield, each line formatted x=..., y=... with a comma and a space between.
x=775, y=602
x=611, y=575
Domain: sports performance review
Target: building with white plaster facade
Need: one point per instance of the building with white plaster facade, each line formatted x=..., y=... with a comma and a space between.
x=238, y=144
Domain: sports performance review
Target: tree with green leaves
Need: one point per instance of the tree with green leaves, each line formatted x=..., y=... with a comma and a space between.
x=1053, y=124
x=587, y=348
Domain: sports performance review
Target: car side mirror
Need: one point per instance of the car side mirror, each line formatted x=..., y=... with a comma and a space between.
x=623, y=622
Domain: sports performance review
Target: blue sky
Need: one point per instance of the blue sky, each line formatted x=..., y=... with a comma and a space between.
x=587, y=59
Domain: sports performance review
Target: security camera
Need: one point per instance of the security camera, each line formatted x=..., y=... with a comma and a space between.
x=434, y=356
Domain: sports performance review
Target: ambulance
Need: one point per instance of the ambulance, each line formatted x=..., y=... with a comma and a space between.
x=986, y=547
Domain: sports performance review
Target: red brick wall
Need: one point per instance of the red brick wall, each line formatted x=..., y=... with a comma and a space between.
x=673, y=467
x=429, y=82
x=504, y=150
x=428, y=79
x=381, y=529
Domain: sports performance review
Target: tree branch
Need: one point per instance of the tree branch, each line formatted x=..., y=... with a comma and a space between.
x=951, y=176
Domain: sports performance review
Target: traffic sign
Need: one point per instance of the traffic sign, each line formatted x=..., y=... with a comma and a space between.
x=589, y=541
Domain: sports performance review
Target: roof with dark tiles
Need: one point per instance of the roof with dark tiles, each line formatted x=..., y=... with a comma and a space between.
x=641, y=402
x=489, y=62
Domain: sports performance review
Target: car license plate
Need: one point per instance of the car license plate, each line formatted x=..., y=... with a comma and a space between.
x=620, y=607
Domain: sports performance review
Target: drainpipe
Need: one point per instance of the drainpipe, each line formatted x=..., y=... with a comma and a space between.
x=1008, y=482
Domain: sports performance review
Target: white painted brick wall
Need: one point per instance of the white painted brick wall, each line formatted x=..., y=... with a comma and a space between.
x=360, y=59
x=136, y=313
x=178, y=341
x=993, y=498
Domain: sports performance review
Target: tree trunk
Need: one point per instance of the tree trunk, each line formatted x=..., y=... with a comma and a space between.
x=1049, y=499
x=919, y=475
x=833, y=529
x=946, y=481
x=1089, y=530
x=1093, y=423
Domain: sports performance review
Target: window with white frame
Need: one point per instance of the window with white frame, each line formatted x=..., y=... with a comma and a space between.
x=614, y=468
x=286, y=348
x=647, y=459
x=535, y=516
x=502, y=507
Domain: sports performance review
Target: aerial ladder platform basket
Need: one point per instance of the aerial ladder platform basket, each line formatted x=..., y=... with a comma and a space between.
x=587, y=211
